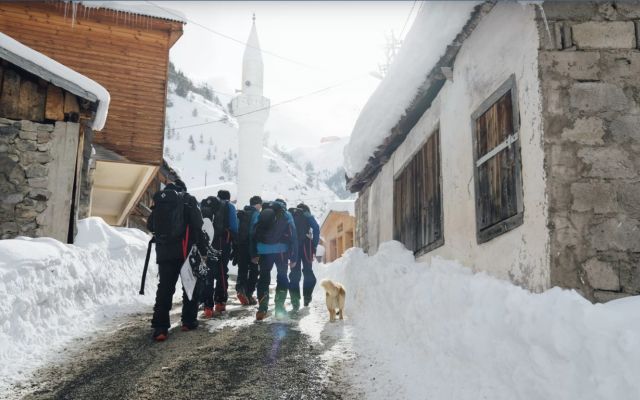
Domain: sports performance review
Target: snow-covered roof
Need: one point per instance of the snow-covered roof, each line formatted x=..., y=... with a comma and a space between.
x=60, y=75
x=148, y=10
x=435, y=28
x=340, y=206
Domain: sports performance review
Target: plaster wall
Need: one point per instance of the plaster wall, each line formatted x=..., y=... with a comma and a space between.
x=505, y=43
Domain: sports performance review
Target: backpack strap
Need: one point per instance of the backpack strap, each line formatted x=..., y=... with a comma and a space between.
x=185, y=243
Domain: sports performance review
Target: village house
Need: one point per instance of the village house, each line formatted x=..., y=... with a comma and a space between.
x=509, y=141
x=337, y=229
x=124, y=48
x=46, y=112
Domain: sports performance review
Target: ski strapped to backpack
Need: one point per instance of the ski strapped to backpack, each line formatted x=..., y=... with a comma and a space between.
x=146, y=265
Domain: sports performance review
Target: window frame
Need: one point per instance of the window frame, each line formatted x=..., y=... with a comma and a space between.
x=508, y=224
x=424, y=249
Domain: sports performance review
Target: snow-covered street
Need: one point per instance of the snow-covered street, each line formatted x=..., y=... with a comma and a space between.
x=461, y=335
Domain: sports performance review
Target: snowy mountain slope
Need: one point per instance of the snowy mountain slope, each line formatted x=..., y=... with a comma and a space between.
x=325, y=162
x=206, y=155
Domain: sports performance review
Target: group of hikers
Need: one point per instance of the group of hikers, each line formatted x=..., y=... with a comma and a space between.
x=255, y=238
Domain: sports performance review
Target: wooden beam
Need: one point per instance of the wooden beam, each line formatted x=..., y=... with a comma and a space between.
x=141, y=185
x=10, y=94
x=71, y=104
x=54, y=108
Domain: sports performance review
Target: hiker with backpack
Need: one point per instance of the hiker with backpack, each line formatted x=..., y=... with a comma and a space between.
x=247, y=270
x=225, y=226
x=273, y=240
x=176, y=223
x=308, y=235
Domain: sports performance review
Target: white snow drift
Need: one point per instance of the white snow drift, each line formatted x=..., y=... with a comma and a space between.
x=53, y=292
x=441, y=332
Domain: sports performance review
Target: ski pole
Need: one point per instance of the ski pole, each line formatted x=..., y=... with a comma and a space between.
x=146, y=265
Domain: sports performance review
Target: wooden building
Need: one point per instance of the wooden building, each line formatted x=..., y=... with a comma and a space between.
x=126, y=51
x=509, y=143
x=46, y=112
x=337, y=230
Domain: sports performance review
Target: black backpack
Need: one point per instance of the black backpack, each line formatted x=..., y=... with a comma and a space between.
x=168, y=221
x=221, y=218
x=270, y=219
x=301, y=222
x=209, y=206
x=244, y=224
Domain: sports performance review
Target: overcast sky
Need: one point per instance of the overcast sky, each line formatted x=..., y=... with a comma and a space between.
x=328, y=42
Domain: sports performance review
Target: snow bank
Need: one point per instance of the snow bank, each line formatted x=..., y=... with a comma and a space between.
x=435, y=27
x=37, y=61
x=441, y=332
x=53, y=292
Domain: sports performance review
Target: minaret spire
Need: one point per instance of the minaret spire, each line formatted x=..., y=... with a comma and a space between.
x=252, y=110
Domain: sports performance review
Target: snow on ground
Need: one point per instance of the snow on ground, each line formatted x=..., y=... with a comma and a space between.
x=441, y=332
x=425, y=43
x=53, y=292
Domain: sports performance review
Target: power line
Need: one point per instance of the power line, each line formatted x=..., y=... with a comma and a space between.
x=276, y=104
x=406, y=21
x=232, y=38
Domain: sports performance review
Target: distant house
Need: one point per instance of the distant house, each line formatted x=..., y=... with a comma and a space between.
x=337, y=229
x=125, y=48
x=505, y=136
x=46, y=112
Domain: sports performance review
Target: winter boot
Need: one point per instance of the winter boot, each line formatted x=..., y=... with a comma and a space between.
x=208, y=313
x=281, y=312
x=189, y=326
x=295, y=299
x=243, y=298
x=220, y=308
x=260, y=315
x=160, y=334
x=307, y=300
x=252, y=301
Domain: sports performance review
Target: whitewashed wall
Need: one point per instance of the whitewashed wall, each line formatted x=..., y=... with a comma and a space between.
x=504, y=43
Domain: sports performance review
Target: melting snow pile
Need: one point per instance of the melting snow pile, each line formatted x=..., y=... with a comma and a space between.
x=53, y=292
x=441, y=332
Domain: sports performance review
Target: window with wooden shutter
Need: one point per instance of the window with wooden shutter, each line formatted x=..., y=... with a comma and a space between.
x=497, y=167
x=417, y=200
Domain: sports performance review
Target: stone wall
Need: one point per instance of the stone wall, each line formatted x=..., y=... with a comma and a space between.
x=589, y=66
x=36, y=165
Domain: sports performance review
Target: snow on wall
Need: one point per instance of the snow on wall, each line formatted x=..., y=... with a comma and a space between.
x=63, y=72
x=506, y=41
x=437, y=331
x=53, y=292
x=426, y=42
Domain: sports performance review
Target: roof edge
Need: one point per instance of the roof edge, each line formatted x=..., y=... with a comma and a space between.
x=427, y=93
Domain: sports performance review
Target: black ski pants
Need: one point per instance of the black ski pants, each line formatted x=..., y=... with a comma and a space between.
x=218, y=277
x=303, y=268
x=247, y=272
x=168, y=272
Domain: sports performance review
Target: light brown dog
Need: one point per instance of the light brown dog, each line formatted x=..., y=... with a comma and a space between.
x=335, y=298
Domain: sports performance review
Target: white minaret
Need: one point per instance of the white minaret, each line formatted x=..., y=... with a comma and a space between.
x=251, y=109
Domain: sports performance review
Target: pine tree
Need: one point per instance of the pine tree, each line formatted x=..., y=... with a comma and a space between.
x=209, y=155
x=192, y=142
x=210, y=140
x=201, y=139
x=194, y=112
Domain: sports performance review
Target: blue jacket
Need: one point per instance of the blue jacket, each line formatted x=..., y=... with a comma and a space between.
x=233, y=219
x=291, y=248
x=315, y=228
